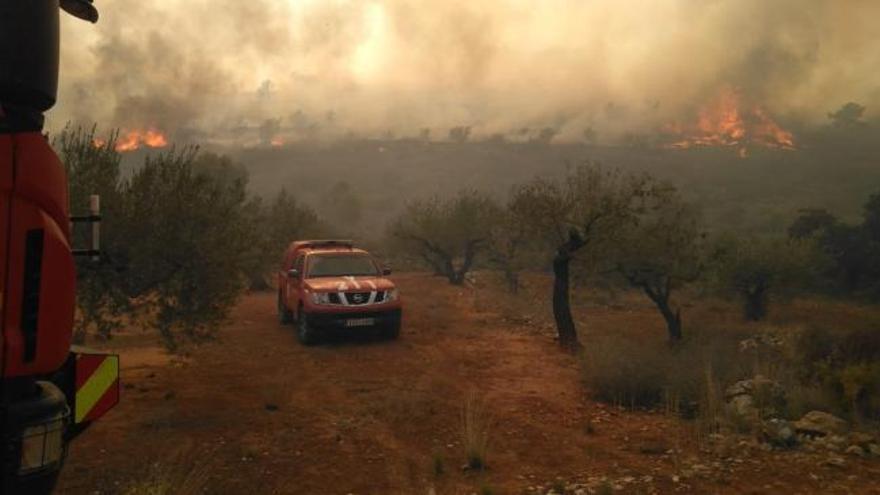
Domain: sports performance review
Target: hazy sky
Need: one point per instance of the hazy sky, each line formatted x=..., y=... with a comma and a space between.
x=224, y=69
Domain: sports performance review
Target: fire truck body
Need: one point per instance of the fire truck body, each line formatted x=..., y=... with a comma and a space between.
x=49, y=392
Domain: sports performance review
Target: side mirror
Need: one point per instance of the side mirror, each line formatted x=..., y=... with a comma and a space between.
x=293, y=273
x=386, y=271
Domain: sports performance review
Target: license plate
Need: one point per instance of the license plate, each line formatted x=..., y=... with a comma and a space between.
x=360, y=322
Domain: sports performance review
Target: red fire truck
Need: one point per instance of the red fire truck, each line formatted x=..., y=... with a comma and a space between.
x=49, y=391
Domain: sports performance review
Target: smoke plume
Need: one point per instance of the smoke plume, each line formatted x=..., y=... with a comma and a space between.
x=261, y=71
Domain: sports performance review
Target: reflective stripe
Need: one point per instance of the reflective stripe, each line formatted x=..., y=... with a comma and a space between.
x=96, y=386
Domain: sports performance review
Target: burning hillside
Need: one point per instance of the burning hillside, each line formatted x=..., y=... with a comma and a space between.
x=730, y=120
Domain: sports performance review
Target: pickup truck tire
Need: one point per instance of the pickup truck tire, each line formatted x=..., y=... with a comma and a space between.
x=306, y=334
x=285, y=317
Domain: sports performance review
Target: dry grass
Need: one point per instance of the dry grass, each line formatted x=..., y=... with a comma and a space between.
x=475, y=431
x=186, y=472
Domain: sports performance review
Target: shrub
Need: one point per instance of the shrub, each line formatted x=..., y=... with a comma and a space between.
x=625, y=373
x=686, y=379
x=180, y=237
x=91, y=169
x=837, y=372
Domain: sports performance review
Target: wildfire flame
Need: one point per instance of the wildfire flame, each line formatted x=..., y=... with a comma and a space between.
x=277, y=142
x=134, y=139
x=729, y=120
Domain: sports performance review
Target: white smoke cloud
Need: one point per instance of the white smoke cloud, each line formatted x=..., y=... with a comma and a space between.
x=234, y=70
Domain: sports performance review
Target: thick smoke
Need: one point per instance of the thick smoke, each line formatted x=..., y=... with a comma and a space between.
x=245, y=72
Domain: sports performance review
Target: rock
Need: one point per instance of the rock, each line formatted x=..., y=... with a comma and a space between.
x=820, y=423
x=755, y=397
x=860, y=438
x=855, y=450
x=874, y=449
x=743, y=405
x=779, y=433
x=757, y=386
x=835, y=461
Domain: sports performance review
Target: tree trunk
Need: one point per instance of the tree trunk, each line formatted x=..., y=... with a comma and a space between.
x=512, y=279
x=672, y=318
x=756, y=304
x=568, y=337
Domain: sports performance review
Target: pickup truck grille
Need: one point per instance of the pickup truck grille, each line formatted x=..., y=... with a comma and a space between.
x=357, y=298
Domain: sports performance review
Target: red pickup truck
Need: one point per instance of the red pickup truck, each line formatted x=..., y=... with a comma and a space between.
x=329, y=286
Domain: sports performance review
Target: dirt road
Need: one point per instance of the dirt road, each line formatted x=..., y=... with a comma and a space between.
x=256, y=412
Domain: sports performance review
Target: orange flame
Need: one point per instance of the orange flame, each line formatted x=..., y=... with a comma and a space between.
x=729, y=121
x=277, y=142
x=134, y=139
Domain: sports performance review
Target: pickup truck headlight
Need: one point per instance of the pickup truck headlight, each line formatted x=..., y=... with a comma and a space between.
x=321, y=297
x=390, y=295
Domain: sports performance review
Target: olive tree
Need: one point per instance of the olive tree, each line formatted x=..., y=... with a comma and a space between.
x=93, y=167
x=276, y=224
x=511, y=245
x=447, y=234
x=188, y=237
x=579, y=215
x=756, y=268
x=660, y=252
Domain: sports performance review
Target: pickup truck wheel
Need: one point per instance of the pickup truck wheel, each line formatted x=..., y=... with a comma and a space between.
x=306, y=334
x=285, y=317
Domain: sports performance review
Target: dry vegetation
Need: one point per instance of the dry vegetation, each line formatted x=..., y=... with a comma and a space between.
x=476, y=375
x=774, y=327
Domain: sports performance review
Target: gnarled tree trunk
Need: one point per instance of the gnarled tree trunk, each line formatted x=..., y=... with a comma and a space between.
x=755, y=302
x=568, y=337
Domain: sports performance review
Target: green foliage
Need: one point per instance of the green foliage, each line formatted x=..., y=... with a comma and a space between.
x=180, y=238
x=839, y=370
x=277, y=224
x=589, y=206
x=512, y=245
x=660, y=252
x=93, y=169
x=448, y=235
x=757, y=268
x=849, y=115
x=187, y=241
x=853, y=249
x=580, y=215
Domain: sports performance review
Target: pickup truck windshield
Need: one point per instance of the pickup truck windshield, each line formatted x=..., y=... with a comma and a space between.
x=338, y=265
